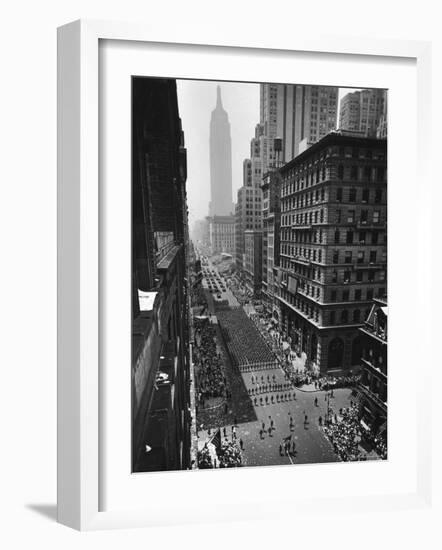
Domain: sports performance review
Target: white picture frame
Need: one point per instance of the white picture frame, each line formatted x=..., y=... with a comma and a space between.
x=79, y=265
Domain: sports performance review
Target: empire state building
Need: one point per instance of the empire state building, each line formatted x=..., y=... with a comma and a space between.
x=220, y=161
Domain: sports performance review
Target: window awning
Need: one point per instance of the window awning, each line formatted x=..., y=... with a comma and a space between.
x=146, y=300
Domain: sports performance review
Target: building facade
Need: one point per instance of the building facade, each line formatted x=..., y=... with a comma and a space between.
x=248, y=214
x=333, y=246
x=253, y=260
x=382, y=130
x=294, y=113
x=271, y=225
x=200, y=233
x=160, y=293
x=222, y=234
x=289, y=115
x=361, y=111
x=220, y=161
x=373, y=382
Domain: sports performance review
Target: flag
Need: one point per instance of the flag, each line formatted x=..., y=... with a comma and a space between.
x=216, y=439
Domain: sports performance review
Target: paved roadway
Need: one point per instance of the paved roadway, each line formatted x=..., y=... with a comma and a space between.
x=311, y=444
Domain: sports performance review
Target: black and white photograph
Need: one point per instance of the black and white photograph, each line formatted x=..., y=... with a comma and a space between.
x=259, y=274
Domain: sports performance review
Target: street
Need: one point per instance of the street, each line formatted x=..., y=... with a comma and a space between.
x=311, y=445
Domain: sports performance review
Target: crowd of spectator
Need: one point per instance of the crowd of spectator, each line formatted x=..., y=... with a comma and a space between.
x=380, y=444
x=229, y=454
x=335, y=382
x=377, y=442
x=345, y=435
x=211, y=380
x=226, y=455
x=197, y=296
x=205, y=460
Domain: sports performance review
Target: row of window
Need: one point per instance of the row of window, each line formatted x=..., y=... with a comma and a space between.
x=311, y=254
x=305, y=178
x=346, y=316
x=314, y=216
x=373, y=237
x=350, y=237
x=306, y=237
x=338, y=256
x=353, y=195
x=306, y=199
x=342, y=317
x=347, y=257
x=364, y=216
x=361, y=173
x=350, y=216
x=357, y=296
x=360, y=276
x=308, y=309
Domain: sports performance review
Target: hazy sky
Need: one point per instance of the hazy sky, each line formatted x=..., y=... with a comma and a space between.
x=196, y=100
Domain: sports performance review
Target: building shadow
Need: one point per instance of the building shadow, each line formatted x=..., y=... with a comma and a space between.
x=49, y=511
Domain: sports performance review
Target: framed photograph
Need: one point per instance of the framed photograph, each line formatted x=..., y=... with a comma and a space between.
x=235, y=226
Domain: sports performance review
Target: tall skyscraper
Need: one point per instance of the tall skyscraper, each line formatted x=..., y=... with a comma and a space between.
x=220, y=161
x=296, y=113
x=361, y=111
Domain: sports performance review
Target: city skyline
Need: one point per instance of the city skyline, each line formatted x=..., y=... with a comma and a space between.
x=196, y=101
x=261, y=338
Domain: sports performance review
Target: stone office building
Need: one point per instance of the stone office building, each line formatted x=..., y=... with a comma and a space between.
x=222, y=235
x=160, y=294
x=361, y=111
x=253, y=260
x=248, y=214
x=271, y=222
x=333, y=249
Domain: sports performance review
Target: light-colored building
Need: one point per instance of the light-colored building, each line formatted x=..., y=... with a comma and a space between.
x=294, y=113
x=200, y=233
x=222, y=234
x=361, y=111
x=291, y=113
x=248, y=216
x=271, y=219
x=253, y=260
x=220, y=161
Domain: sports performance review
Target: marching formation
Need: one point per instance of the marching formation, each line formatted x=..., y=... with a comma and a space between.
x=297, y=415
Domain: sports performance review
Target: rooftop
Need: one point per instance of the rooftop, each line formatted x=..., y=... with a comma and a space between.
x=338, y=137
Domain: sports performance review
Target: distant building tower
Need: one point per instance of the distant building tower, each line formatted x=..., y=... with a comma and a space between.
x=294, y=113
x=220, y=161
x=361, y=111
